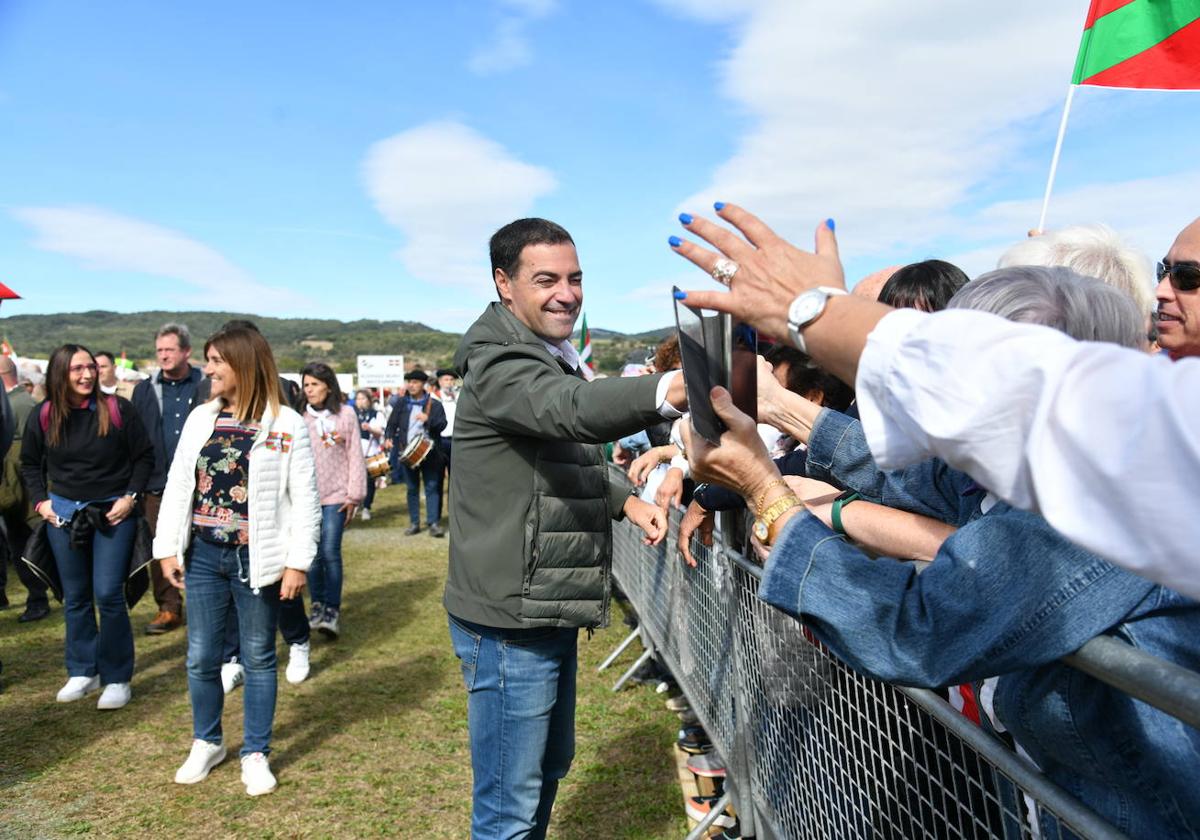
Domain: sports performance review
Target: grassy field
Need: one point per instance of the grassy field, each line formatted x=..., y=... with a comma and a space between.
x=373, y=744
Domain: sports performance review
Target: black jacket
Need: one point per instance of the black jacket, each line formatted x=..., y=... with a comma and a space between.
x=39, y=558
x=397, y=425
x=145, y=400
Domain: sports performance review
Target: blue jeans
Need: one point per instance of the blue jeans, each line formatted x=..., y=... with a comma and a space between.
x=325, y=574
x=214, y=572
x=94, y=579
x=430, y=474
x=521, y=716
x=293, y=626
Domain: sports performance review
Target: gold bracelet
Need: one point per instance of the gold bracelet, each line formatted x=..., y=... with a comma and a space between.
x=758, y=507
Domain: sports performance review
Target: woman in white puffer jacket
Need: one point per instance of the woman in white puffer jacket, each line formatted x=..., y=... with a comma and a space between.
x=241, y=509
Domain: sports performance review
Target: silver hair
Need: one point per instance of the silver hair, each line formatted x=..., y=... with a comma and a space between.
x=1094, y=251
x=180, y=331
x=1053, y=296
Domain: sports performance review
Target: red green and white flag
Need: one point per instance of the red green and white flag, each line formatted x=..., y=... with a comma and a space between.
x=585, y=351
x=1149, y=44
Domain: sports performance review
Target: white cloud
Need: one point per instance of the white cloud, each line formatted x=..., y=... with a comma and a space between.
x=447, y=188
x=1147, y=212
x=107, y=241
x=884, y=115
x=509, y=46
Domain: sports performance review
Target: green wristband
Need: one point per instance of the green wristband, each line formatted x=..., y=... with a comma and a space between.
x=839, y=503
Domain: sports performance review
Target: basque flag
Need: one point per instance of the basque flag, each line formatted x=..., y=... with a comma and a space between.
x=1147, y=44
x=585, y=351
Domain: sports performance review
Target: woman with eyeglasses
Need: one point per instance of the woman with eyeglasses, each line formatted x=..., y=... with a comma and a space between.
x=240, y=509
x=93, y=450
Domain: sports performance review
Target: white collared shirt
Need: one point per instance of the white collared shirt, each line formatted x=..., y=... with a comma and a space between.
x=566, y=351
x=1101, y=440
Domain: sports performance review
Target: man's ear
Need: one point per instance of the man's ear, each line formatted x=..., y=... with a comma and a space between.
x=503, y=286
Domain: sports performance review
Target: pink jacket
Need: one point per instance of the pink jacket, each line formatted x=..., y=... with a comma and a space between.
x=341, y=471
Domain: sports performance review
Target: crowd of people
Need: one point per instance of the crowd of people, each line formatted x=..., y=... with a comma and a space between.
x=230, y=483
x=946, y=482
x=969, y=519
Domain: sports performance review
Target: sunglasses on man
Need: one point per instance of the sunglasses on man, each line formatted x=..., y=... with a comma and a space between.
x=1185, y=276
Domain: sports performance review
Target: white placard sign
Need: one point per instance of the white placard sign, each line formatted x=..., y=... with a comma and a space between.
x=380, y=371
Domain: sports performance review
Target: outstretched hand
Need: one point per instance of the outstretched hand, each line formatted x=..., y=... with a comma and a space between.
x=771, y=272
x=696, y=520
x=650, y=518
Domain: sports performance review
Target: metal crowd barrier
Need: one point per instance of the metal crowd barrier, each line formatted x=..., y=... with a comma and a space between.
x=816, y=750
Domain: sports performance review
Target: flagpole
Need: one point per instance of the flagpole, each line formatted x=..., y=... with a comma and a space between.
x=1062, y=131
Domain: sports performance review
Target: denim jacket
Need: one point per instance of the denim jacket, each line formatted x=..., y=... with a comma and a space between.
x=1006, y=596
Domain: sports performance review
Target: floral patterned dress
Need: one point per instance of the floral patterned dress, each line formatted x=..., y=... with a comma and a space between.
x=221, y=513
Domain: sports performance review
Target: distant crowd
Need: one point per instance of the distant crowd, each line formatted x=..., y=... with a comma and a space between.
x=112, y=480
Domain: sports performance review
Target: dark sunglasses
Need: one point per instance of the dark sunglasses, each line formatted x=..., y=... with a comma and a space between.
x=1185, y=276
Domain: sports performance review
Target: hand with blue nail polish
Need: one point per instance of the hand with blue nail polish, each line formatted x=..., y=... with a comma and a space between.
x=719, y=206
x=771, y=272
x=674, y=241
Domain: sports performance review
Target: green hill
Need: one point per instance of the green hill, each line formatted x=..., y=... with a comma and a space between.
x=295, y=340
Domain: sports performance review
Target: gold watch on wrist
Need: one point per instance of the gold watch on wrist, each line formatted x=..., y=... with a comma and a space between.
x=764, y=525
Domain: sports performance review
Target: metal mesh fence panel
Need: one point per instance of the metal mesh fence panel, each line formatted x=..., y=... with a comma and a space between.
x=688, y=615
x=829, y=753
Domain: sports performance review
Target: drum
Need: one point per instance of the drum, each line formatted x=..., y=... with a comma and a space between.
x=377, y=465
x=418, y=450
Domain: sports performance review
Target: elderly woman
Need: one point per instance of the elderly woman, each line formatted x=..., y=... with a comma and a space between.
x=1005, y=595
x=93, y=450
x=241, y=509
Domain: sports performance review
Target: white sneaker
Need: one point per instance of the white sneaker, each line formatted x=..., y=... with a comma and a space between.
x=256, y=774
x=203, y=758
x=366, y=515
x=297, y=667
x=115, y=696
x=76, y=688
x=233, y=674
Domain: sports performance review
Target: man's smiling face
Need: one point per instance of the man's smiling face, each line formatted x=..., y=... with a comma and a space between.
x=546, y=294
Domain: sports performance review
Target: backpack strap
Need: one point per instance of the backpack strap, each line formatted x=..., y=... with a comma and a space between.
x=114, y=413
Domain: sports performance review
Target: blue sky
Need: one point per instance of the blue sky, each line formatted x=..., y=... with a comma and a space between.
x=350, y=160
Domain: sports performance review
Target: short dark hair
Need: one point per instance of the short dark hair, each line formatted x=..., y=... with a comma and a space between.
x=804, y=377
x=112, y=360
x=927, y=286
x=447, y=372
x=507, y=243
x=241, y=324
x=324, y=373
x=418, y=374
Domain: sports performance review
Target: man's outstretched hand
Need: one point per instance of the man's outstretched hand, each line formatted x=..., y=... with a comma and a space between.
x=650, y=518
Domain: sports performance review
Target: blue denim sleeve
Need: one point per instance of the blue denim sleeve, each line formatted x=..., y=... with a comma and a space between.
x=838, y=453
x=1005, y=592
x=637, y=442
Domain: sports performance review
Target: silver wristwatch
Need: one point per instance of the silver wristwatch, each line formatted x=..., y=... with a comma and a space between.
x=806, y=308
